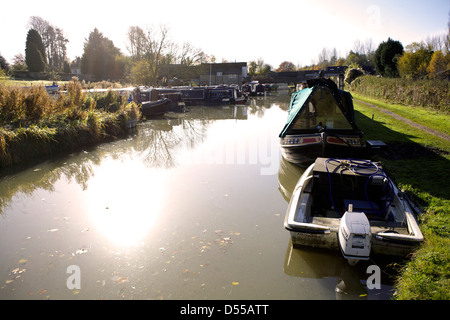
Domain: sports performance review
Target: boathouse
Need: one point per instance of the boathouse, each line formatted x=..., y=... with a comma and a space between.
x=223, y=73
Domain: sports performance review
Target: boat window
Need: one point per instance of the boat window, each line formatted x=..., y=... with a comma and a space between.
x=321, y=112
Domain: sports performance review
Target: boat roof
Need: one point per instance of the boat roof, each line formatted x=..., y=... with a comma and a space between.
x=300, y=99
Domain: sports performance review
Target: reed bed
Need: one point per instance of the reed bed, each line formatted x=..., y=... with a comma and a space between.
x=34, y=124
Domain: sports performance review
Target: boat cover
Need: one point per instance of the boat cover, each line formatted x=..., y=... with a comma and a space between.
x=300, y=99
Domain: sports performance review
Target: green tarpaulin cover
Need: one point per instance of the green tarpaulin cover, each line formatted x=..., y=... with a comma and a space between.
x=300, y=99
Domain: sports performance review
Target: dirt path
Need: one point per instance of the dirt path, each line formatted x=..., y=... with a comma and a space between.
x=411, y=123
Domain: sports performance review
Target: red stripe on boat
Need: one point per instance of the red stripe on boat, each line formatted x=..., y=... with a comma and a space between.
x=309, y=140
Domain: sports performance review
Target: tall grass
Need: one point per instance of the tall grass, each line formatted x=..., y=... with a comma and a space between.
x=33, y=124
x=434, y=94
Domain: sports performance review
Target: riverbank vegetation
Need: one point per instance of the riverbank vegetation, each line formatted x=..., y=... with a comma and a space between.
x=430, y=93
x=420, y=164
x=34, y=124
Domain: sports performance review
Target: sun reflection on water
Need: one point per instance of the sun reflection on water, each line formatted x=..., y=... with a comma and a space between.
x=125, y=200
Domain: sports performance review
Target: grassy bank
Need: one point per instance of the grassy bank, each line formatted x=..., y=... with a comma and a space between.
x=432, y=94
x=419, y=162
x=35, y=125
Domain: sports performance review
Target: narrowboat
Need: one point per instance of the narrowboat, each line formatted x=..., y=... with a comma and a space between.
x=320, y=123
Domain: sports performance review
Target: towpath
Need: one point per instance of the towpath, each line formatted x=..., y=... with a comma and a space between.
x=410, y=122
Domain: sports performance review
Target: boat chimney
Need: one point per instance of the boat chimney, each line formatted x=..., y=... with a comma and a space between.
x=341, y=81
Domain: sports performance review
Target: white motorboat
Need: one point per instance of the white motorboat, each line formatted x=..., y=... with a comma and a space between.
x=352, y=205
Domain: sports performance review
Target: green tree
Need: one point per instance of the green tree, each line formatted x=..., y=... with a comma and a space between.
x=414, y=62
x=357, y=60
x=258, y=67
x=4, y=64
x=386, y=56
x=35, y=52
x=438, y=64
x=99, y=57
x=252, y=66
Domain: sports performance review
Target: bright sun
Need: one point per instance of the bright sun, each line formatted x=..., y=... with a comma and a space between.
x=125, y=199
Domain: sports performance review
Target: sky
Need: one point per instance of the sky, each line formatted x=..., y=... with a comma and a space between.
x=234, y=30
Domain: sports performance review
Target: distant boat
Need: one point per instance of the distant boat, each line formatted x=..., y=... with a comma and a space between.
x=320, y=123
x=177, y=103
x=254, y=88
x=352, y=205
x=53, y=89
x=224, y=95
x=156, y=108
x=213, y=95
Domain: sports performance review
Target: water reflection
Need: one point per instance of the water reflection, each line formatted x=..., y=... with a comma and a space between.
x=44, y=176
x=288, y=176
x=156, y=144
x=350, y=281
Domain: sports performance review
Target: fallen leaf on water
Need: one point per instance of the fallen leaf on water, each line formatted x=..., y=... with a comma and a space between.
x=23, y=260
x=18, y=270
x=81, y=251
x=235, y=283
x=42, y=291
x=8, y=281
x=122, y=279
x=76, y=291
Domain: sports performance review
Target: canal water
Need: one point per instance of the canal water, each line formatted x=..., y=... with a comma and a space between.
x=190, y=206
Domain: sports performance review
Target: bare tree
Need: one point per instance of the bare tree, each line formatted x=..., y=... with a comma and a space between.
x=358, y=47
x=149, y=48
x=189, y=55
x=369, y=47
x=137, y=42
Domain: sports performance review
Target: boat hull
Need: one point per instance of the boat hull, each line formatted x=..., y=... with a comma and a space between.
x=303, y=150
x=151, y=109
x=329, y=240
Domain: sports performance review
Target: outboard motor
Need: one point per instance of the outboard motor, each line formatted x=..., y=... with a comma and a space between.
x=355, y=237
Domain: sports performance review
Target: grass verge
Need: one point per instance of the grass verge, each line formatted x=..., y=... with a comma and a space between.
x=419, y=162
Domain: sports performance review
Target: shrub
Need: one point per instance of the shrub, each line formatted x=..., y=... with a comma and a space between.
x=352, y=73
x=24, y=105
